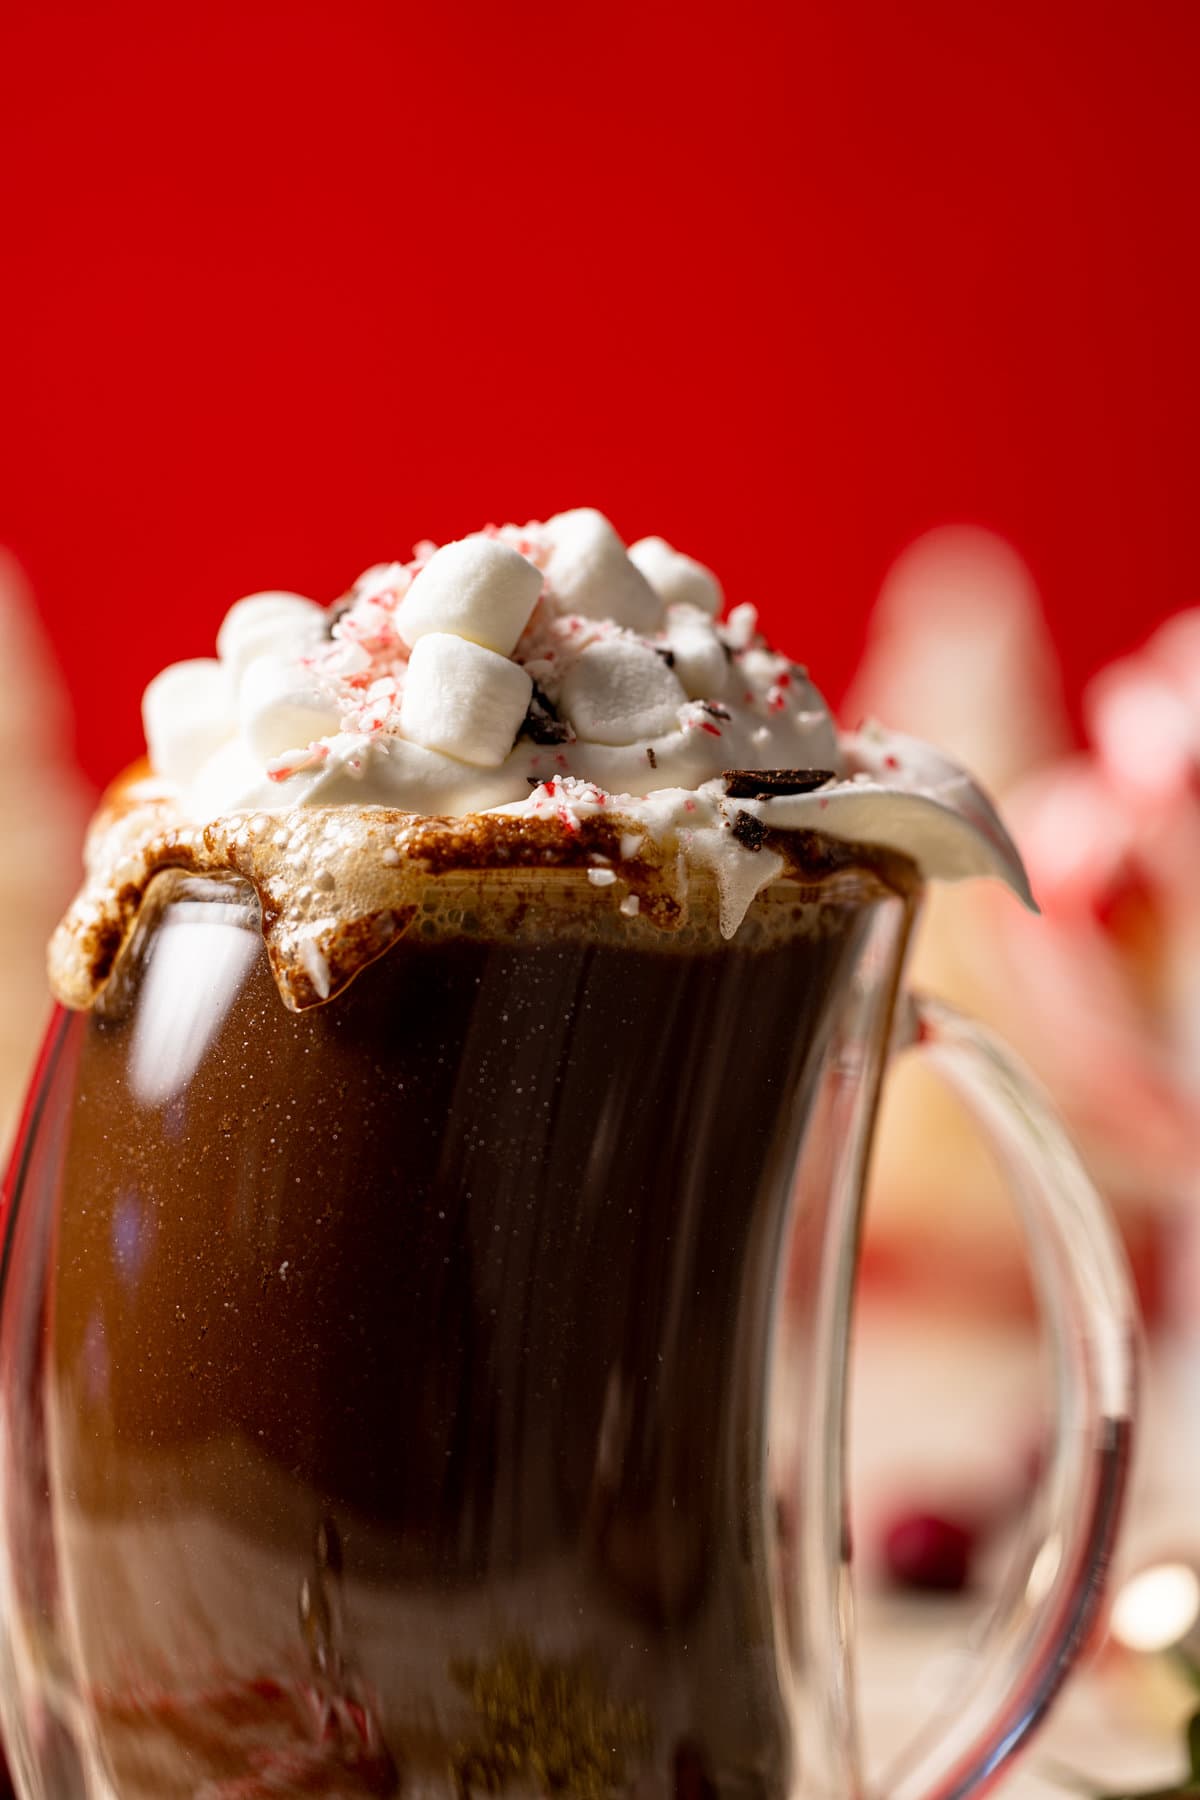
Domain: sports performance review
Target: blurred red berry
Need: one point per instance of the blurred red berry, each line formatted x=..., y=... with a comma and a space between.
x=928, y=1553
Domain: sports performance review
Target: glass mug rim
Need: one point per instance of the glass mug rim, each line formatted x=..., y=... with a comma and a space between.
x=517, y=891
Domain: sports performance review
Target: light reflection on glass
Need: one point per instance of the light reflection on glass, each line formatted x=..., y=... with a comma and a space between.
x=189, y=986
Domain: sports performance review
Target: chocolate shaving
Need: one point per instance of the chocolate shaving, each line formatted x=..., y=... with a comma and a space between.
x=651, y=758
x=714, y=711
x=542, y=723
x=769, y=784
x=337, y=611
x=749, y=831
x=668, y=656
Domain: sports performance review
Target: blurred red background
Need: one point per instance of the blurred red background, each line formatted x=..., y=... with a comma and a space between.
x=287, y=286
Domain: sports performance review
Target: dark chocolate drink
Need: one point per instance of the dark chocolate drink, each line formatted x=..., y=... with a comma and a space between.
x=406, y=1407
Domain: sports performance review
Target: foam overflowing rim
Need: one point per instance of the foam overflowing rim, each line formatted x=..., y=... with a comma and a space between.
x=336, y=887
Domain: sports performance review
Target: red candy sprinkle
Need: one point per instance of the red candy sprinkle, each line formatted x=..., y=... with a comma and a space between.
x=284, y=771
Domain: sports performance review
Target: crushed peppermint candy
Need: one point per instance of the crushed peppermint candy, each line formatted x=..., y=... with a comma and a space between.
x=294, y=762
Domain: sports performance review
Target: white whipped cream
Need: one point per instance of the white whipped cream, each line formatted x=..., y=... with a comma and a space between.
x=531, y=669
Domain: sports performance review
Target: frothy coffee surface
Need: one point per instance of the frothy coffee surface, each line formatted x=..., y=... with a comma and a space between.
x=526, y=697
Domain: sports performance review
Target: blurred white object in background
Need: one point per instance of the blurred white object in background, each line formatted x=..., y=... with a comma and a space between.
x=1143, y=717
x=1101, y=995
x=42, y=812
x=1143, y=714
x=958, y=653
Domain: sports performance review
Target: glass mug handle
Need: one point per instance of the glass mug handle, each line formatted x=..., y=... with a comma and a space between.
x=1083, y=1287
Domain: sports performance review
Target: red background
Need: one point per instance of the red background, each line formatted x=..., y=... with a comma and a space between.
x=286, y=286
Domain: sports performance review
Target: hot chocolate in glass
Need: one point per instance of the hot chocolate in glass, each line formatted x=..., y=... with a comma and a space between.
x=396, y=1391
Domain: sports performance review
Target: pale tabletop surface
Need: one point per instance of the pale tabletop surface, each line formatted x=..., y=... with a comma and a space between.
x=942, y=1410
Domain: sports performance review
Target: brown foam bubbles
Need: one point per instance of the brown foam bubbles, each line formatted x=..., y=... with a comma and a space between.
x=337, y=886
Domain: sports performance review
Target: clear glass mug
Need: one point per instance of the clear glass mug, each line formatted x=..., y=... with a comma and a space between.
x=388, y=1391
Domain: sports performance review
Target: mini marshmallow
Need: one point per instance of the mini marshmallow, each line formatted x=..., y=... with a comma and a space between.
x=741, y=627
x=188, y=714
x=262, y=623
x=282, y=707
x=462, y=699
x=477, y=589
x=619, y=691
x=678, y=580
x=701, y=665
x=590, y=573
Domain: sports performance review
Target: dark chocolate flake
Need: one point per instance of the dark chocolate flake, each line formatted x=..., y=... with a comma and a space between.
x=668, y=656
x=770, y=784
x=542, y=722
x=335, y=612
x=749, y=831
x=651, y=758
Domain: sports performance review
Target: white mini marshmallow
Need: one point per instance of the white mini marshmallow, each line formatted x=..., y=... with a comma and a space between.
x=678, y=580
x=701, y=664
x=477, y=588
x=620, y=691
x=590, y=573
x=464, y=700
x=282, y=707
x=265, y=623
x=741, y=627
x=188, y=713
